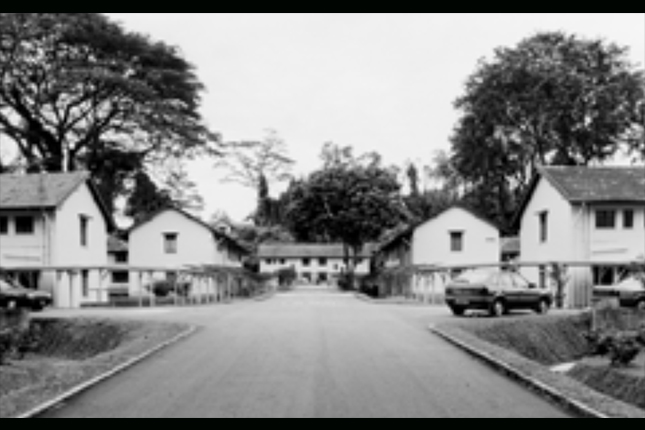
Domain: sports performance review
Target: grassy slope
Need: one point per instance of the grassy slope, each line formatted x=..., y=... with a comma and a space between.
x=530, y=344
x=77, y=350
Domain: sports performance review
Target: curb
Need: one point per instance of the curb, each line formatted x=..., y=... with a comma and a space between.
x=44, y=407
x=538, y=386
x=368, y=299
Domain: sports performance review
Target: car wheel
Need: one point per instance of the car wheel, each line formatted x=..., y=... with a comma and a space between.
x=458, y=312
x=499, y=309
x=641, y=305
x=12, y=305
x=37, y=307
x=543, y=308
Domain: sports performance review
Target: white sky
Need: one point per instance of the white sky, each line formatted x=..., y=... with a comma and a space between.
x=382, y=82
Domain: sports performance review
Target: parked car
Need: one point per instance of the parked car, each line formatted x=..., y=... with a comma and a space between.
x=497, y=292
x=631, y=292
x=14, y=296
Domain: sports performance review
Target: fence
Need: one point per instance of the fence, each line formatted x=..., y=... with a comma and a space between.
x=74, y=287
x=574, y=284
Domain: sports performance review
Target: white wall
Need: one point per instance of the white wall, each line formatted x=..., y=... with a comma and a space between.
x=431, y=243
x=24, y=250
x=68, y=250
x=559, y=245
x=196, y=244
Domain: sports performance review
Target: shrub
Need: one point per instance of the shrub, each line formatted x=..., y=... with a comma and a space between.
x=162, y=289
x=15, y=337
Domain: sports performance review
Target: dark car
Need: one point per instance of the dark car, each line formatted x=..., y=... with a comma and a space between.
x=13, y=296
x=497, y=292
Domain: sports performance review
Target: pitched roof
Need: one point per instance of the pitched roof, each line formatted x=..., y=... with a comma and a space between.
x=117, y=245
x=590, y=185
x=598, y=184
x=511, y=245
x=38, y=191
x=308, y=251
x=234, y=243
x=46, y=191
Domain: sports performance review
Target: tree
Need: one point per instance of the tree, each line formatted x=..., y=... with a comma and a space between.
x=147, y=198
x=552, y=100
x=256, y=165
x=69, y=82
x=353, y=205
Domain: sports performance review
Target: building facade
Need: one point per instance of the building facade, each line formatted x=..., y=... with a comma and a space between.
x=313, y=263
x=55, y=220
x=585, y=215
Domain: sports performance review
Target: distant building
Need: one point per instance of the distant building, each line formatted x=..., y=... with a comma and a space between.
x=55, y=220
x=316, y=263
x=511, y=249
x=580, y=214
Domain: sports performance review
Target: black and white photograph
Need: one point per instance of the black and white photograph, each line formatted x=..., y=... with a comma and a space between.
x=323, y=215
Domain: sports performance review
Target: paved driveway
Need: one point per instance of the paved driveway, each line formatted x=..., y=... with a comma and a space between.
x=312, y=353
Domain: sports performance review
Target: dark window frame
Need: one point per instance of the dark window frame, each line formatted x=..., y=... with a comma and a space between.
x=629, y=219
x=85, y=230
x=606, y=219
x=19, y=226
x=544, y=226
x=171, y=243
x=4, y=225
x=457, y=242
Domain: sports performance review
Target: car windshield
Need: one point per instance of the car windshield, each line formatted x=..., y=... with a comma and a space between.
x=475, y=277
x=5, y=286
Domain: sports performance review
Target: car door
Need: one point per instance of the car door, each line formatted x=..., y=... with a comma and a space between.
x=510, y=293
x=527, y=298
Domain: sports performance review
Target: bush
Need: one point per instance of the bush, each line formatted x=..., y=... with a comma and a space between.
x=163, y=289
x=16, y=337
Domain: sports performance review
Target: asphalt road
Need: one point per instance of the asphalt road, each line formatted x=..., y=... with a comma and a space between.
x=312, y=353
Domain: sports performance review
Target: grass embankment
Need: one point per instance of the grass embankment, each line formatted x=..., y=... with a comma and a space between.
x=71, y=352
x=532, y=345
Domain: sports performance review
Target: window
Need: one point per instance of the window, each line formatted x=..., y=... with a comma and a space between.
x=628, y=219
x=121, y=257
x=4, y=225
x=322, y=262
x=605, y=219
x=84, y=224
x=170, y=243
x=269, y=261
x=457, y=241
x=85, y=283
x=306, y=262
x=25, y=225
x=544, y=227
x=120, y=277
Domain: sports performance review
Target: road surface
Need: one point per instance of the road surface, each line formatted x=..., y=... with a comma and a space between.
x=311, y=353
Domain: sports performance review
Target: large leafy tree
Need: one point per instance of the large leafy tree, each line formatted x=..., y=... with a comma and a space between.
x=348, y=203
x=553, y=99
x=146, y=198
x=69, y=82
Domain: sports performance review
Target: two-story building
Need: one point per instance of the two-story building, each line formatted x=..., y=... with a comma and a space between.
x=313, y=263
x=174, y=239
x=55, y=220
x=586, y=215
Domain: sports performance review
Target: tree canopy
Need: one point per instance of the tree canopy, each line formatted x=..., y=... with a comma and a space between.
x=70, y=81
x=554, y=99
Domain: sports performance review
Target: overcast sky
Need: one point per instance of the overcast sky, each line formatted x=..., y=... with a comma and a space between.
x=379, y=82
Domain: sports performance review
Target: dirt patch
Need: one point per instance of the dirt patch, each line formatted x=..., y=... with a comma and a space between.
x=75, y=351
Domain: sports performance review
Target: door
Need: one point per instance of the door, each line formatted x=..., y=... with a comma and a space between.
x=527, y=298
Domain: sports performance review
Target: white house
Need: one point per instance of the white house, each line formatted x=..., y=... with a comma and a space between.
x=316, y=263
x=455, y=237
x=118, y=255
x=175, y=240
x=579, y=214
x=55, y=220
